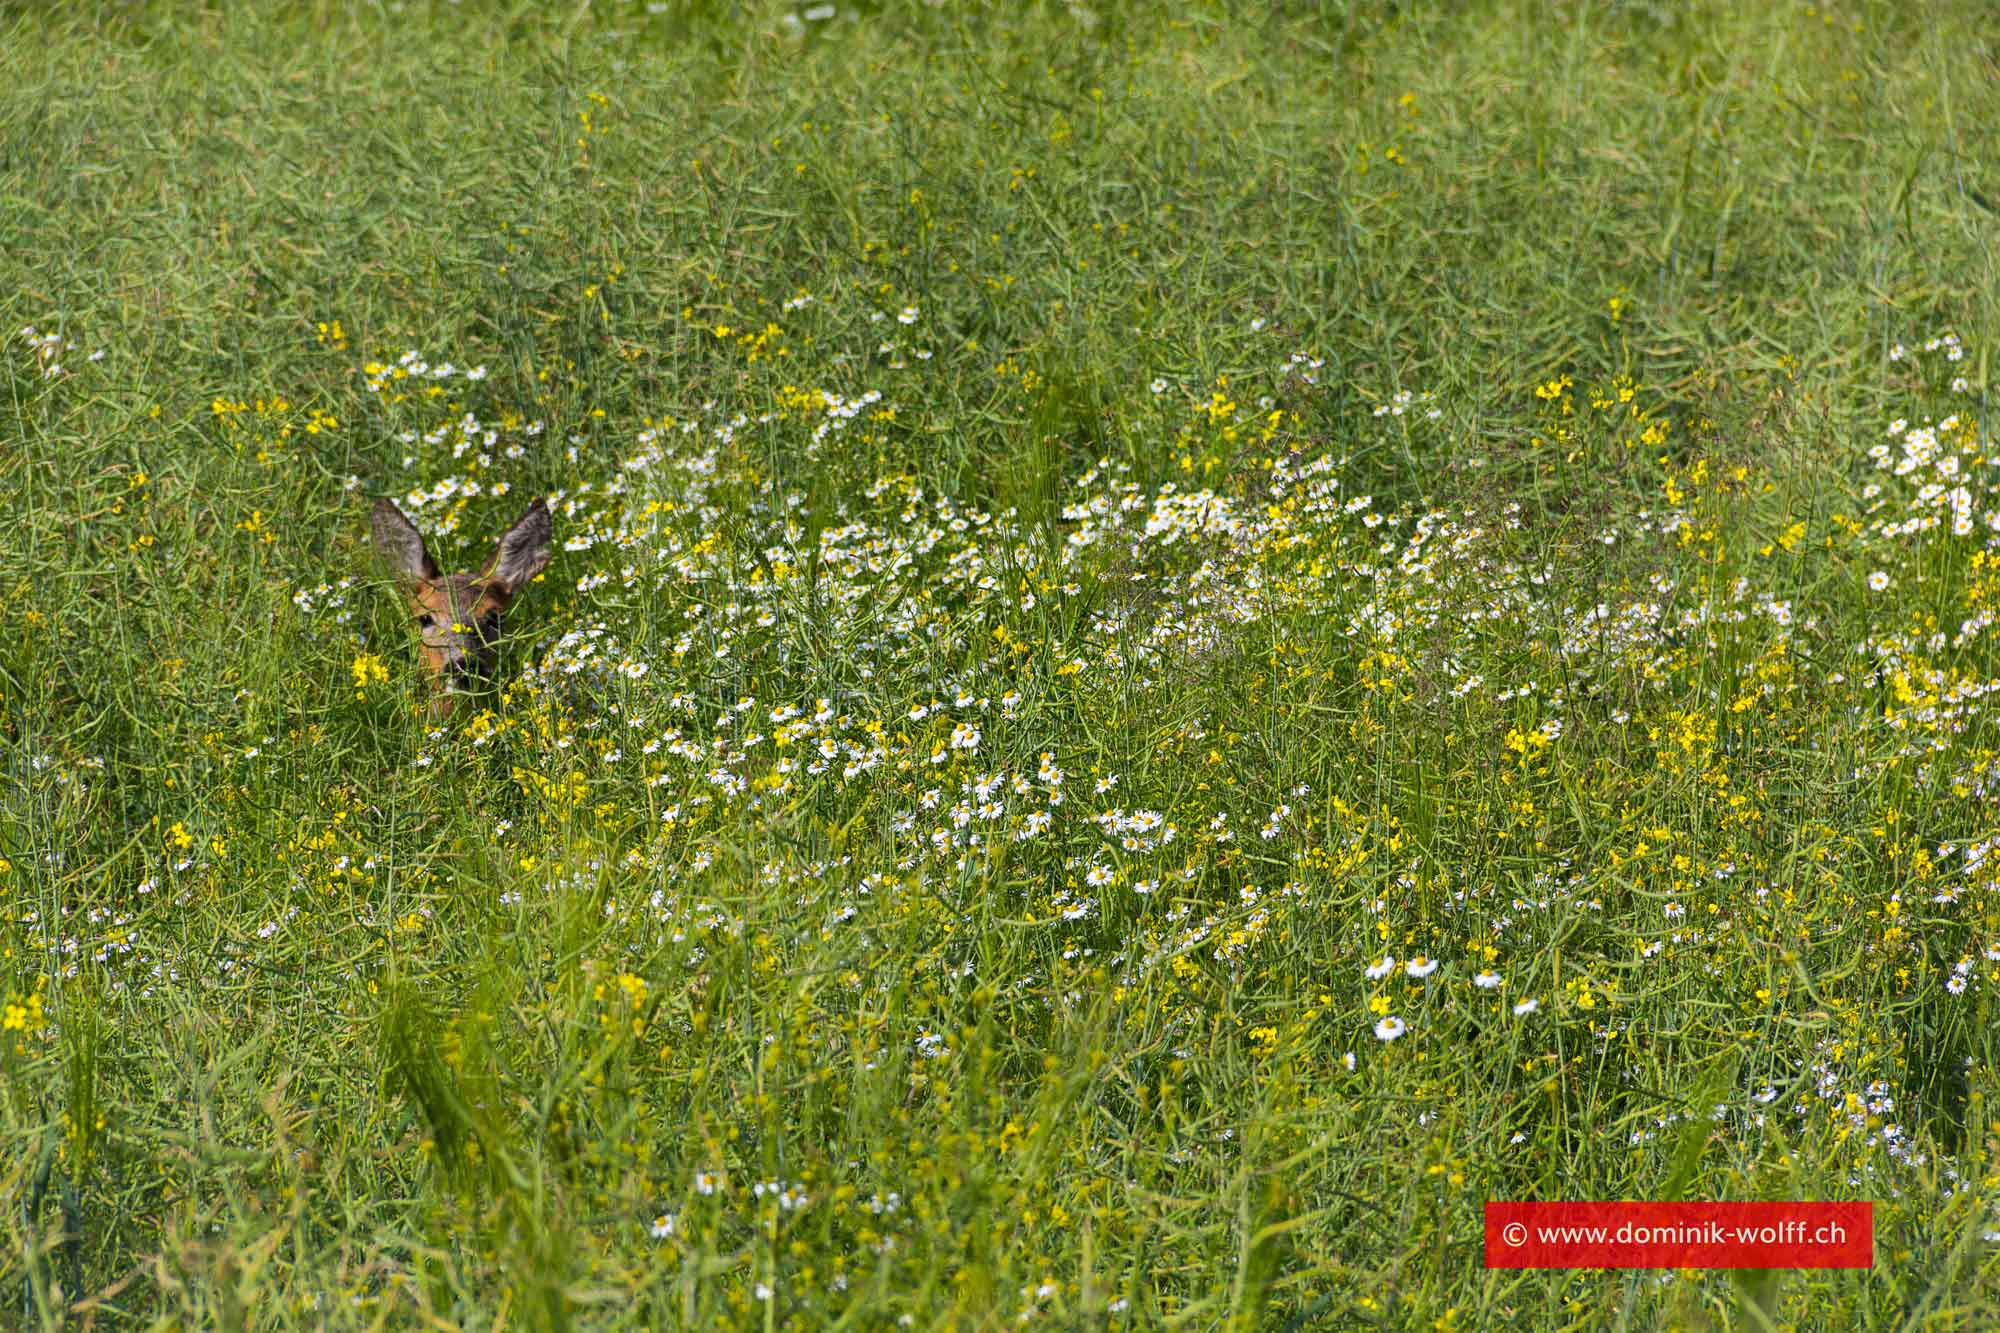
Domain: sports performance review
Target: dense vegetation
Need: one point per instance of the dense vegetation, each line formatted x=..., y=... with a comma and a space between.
x=1185, y=641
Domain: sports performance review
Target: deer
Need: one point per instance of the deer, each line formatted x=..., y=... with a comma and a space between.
x=459, y=615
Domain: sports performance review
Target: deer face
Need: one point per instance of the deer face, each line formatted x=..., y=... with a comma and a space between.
x=458, y=615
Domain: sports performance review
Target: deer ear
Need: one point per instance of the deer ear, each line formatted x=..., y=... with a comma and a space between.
x=521, y=553
x=400, y=543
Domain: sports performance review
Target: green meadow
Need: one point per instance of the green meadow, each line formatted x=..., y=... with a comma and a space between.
x=1183, y=642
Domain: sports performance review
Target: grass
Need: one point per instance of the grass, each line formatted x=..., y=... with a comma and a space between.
x=1081, y=534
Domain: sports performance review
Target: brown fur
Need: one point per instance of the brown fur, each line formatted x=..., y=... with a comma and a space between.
x=459, y=614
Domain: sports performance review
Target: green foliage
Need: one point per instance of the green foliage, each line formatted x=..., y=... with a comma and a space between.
x=1185, y=641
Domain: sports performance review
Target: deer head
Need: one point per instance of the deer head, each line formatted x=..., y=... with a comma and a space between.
x=459, y=614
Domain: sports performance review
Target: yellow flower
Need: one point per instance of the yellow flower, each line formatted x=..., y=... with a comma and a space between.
x=368, y=669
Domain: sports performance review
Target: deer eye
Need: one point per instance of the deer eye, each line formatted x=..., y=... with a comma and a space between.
x=427, y=620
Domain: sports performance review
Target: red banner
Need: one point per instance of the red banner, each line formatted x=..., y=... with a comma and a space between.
x=1632, y=1234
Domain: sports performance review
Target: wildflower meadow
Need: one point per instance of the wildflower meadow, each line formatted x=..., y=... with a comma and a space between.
x=1183, y=641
